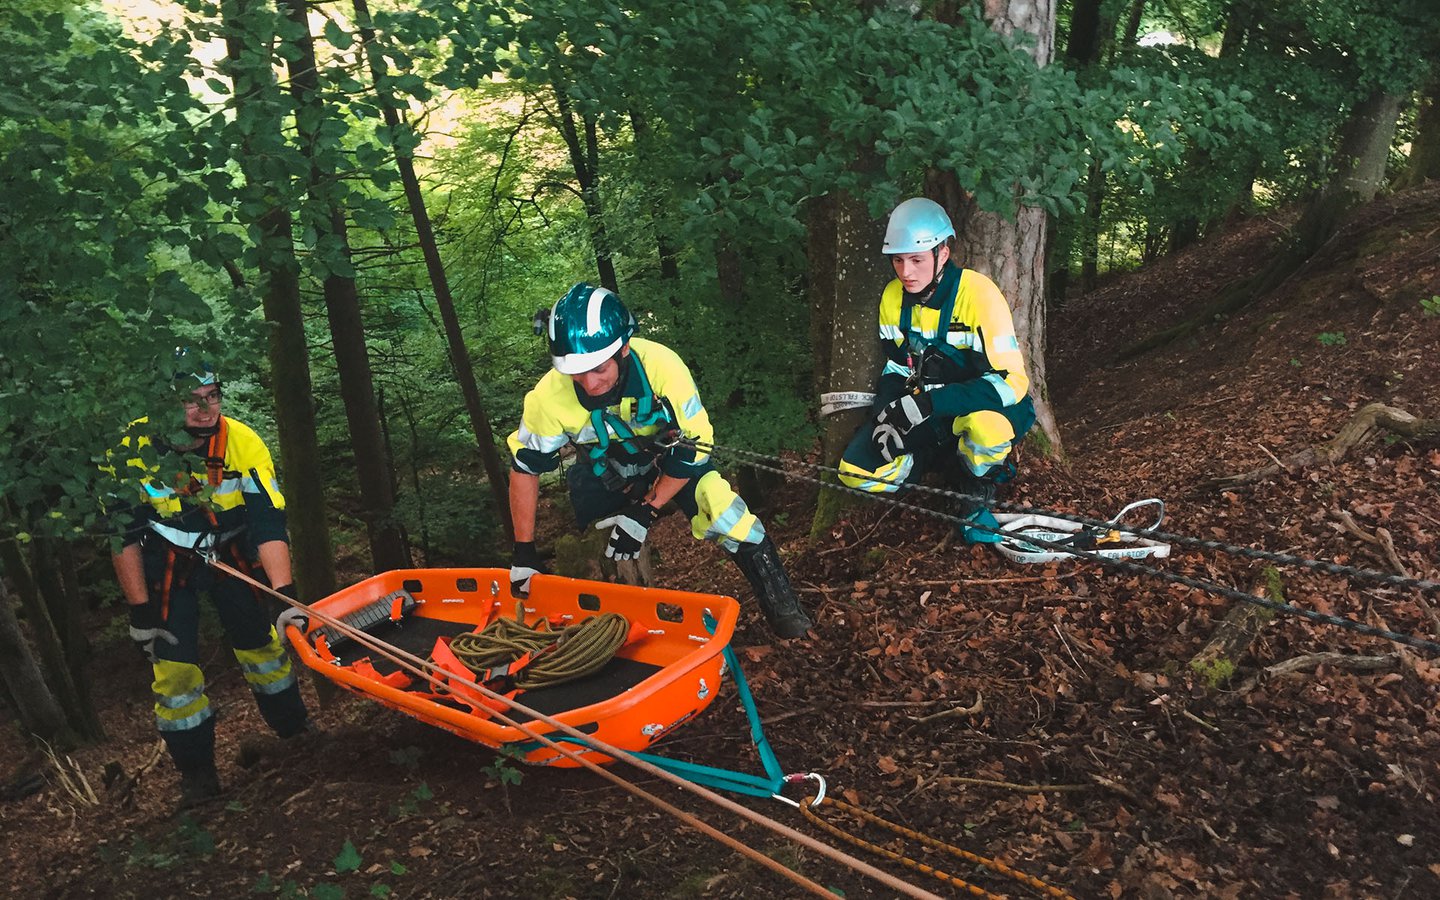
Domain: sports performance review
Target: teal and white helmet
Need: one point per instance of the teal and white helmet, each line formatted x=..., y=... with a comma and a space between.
x=191, y=371
x=915, y=226
x=587, y=326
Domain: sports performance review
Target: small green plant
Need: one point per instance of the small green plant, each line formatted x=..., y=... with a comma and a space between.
x=406, y=758
x=410, y=804
x=349, y=859
x=327, y=892
x=1295, y=362
x=501, y=770
x=1430, y=306
x=1331, y=338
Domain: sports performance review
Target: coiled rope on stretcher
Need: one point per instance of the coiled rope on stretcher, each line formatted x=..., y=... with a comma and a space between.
x=580, y=649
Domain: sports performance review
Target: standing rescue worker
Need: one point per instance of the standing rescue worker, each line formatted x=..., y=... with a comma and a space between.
x=953, y=394
x=162, y=573
x=624, y=402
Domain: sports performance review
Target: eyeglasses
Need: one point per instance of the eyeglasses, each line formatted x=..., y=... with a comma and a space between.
x=210, y=398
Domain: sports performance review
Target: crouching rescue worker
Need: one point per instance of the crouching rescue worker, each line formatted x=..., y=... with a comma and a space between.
x=953, y=394
x=623, y=402
x=162, y=573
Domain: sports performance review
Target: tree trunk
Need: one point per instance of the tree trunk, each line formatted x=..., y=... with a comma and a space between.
x=585, y=159
x=1012, y=250
x=35, y=705
x=55, y=577
x=59, y=687
x=1425, y=149
x=665, y=248
x=853, y=294
x=255, y=89
x=425, y=235
x=342, y=306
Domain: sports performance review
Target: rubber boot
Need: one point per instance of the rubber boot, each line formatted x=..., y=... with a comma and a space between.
x=762, y=568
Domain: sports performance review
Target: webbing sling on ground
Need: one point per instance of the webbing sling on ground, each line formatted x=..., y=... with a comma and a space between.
x=763, y=461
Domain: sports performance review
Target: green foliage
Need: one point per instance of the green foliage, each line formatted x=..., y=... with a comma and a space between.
x=1430, y=306
x=348, y=860
x=1331, y=338
x=500, y=768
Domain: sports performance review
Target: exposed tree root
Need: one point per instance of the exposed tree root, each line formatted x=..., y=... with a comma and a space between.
x=1370, y=421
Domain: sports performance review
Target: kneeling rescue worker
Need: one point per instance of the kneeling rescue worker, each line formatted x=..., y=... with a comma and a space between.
x=624, y=402
x=953, y=394
x=162, y=574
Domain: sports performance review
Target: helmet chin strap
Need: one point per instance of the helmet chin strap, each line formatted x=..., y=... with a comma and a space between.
x=612, y=396
x=924, y=294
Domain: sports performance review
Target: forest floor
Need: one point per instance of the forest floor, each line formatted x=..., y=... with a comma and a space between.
x=1318, y=783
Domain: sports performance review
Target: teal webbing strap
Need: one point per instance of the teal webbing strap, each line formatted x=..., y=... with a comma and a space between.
x=713, y=776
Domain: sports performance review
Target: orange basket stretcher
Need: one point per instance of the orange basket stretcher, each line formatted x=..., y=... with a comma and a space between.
x=666, y=673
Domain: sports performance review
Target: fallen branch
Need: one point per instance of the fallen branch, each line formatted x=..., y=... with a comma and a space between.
x=124, y=788
x=1310, y=661
x=1012, y=786
x=1381, y=538
x=1363, y=427
x=976, y=708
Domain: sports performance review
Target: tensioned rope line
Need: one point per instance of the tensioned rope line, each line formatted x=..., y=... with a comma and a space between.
x=1122, y=564
x=424, y=669
x=1326, y=566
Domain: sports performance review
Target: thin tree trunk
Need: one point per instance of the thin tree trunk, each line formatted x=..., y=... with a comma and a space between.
x=55, y=576
x=347, y=329
x=35, y=705
x=59, y=686
x=665, y=248
x=425, y=234
x=1425, y=149
x=255, y=88
x=585, y=159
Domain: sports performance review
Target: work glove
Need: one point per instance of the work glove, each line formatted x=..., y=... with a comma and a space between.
x=146, y=628
x=628, y=529
x=292, y=616
x=896, y=420
x=524, y=565
x=279, y=608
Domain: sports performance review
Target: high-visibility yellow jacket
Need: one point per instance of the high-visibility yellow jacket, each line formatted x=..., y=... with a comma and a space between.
x=965, y=338
x=201, y=508
x=657, y=382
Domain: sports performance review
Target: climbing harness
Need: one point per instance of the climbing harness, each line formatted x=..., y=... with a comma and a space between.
x=1018, y=530
x=763, y=462
x=808, y=809
x=648, y=412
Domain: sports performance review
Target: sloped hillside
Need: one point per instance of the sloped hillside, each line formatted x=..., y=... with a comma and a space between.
x=1104, y=765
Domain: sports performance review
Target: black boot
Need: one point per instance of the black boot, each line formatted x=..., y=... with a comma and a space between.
x=762, y=568
x=198, y=785
x=974, y=508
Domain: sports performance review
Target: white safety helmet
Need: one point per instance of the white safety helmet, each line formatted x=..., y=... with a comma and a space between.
x=915, y=226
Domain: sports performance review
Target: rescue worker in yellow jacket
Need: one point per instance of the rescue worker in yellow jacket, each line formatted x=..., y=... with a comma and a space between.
x=623, y=401
x=162, y=574
x=953, y=393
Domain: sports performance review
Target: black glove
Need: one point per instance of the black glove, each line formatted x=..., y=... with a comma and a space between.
x=524, y=565
x=146, y=628
x=628, y=529
x=896, y=420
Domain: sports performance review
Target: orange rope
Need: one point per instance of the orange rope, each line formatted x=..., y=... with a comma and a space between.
x=986, y=862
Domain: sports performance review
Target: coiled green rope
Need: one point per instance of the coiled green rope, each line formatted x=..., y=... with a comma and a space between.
x=582, y=648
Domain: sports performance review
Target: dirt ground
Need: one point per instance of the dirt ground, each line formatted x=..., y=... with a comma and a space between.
x=1319, y=783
